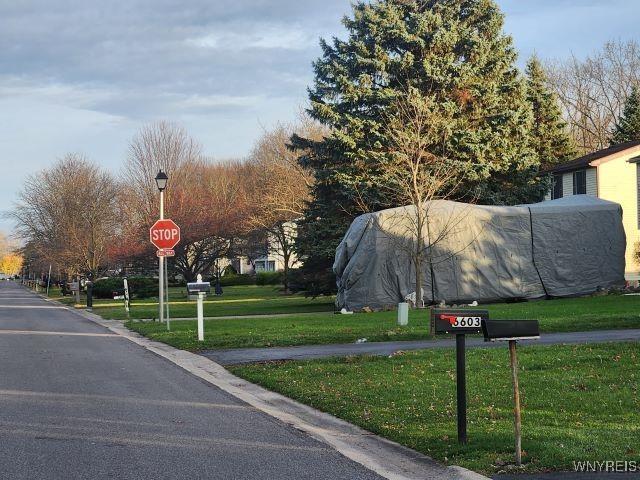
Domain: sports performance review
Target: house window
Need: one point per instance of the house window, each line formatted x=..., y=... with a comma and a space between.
x=580, y=182
x=556, y=189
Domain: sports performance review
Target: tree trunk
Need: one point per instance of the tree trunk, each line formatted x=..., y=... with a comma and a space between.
x=418, y=263
x=285, y=272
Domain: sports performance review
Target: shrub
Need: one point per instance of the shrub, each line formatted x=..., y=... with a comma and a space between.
x=269, y=278
x=139, y=287
x=229, y=270
x=229, y=280
x=143, y=287
x=312, y=282
x=105, y=287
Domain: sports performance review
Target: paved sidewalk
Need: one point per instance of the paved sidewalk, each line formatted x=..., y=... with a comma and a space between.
x=250, y=355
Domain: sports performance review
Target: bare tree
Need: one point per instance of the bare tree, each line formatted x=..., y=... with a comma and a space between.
x=280, y=189
x=592, y=91
x=66, y=214
x=191, y=198
x=419, y=173
x=219, y=204
x=159, y=146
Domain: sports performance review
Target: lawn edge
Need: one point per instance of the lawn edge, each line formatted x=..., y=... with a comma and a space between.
x=384, y=457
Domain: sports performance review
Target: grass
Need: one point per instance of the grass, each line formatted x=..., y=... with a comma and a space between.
x=236, y=300
x=562, y=315
x=282, y=331
x=579, y=402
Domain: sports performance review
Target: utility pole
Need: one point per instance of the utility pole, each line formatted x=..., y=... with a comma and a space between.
x=161, y=266
x=161, y=182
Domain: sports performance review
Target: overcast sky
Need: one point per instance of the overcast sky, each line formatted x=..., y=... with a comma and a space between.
x=84, y=75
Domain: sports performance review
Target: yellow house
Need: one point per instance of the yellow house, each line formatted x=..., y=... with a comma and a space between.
x=611, y=174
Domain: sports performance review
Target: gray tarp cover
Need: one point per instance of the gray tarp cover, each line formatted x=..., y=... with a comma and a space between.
x=570, y=246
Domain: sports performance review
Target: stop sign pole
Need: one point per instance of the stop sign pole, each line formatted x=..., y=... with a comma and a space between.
x=164, y=234
x=161, y=187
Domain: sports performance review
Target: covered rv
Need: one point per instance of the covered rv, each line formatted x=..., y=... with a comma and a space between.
x=565, y=247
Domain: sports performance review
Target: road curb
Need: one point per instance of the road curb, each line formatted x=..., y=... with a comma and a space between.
x=384, y=457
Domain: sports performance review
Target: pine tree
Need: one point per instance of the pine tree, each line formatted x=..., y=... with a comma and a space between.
x=628, y=126
x=549, y=137
x=453, y=49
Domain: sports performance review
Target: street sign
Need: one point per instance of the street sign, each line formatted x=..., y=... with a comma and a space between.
x=164, y=234
x=165, y=252
x=458, y=321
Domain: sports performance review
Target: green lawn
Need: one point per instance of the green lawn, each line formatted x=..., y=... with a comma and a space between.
x=236, y=300
x=573, y=314
x=579, y=402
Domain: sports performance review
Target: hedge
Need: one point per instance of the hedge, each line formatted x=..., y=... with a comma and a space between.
x=139, y=287
x=268, y=278
x=228, y=280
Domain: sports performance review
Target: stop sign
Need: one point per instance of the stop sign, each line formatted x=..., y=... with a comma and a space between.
x=164, y=234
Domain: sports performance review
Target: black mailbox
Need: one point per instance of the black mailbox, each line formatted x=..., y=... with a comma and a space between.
x=458, y=320
x=198, y=287
x=504, y=330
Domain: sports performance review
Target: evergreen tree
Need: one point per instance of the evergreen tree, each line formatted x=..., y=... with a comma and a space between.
x=628, y=126
x=549, y=136
x=453, y=49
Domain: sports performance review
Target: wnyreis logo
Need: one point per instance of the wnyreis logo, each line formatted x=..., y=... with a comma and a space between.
x=619, y=466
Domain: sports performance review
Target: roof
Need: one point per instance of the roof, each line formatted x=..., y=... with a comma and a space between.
x=594, y=158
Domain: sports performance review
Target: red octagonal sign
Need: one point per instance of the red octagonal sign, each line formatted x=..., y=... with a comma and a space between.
x=164, y=234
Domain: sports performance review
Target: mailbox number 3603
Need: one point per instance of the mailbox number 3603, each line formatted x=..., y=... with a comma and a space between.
x=473, y=322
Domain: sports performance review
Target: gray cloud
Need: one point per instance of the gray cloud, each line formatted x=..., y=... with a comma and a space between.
x=213, y=54
x=83, y=75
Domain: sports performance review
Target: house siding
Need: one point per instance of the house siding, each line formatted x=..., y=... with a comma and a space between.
x=567, y=184
x=592, y=182
x=618, y=183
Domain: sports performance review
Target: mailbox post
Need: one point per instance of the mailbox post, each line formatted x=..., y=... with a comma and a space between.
x=459, y=322
x=512, y=331
x=201, y=288
x=127, y=304
x=89, y=286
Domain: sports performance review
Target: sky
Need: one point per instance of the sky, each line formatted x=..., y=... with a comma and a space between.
x=85, y=75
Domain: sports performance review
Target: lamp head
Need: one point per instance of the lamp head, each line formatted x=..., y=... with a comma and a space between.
x=161, y=180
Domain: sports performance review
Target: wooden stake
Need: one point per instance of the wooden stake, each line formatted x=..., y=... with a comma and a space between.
x=461, y=388
x=516, y=400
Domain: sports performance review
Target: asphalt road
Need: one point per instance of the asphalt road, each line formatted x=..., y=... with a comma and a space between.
x=251, y=355
x=77, y=401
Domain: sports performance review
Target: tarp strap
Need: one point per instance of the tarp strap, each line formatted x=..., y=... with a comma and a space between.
x=533, y=255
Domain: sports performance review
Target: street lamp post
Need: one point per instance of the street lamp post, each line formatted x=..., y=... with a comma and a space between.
x=161, y=182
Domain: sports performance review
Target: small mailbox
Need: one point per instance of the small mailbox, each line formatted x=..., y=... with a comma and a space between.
x=198, y=287
x=512, y=331
x=458, y=321
x=505, y=330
